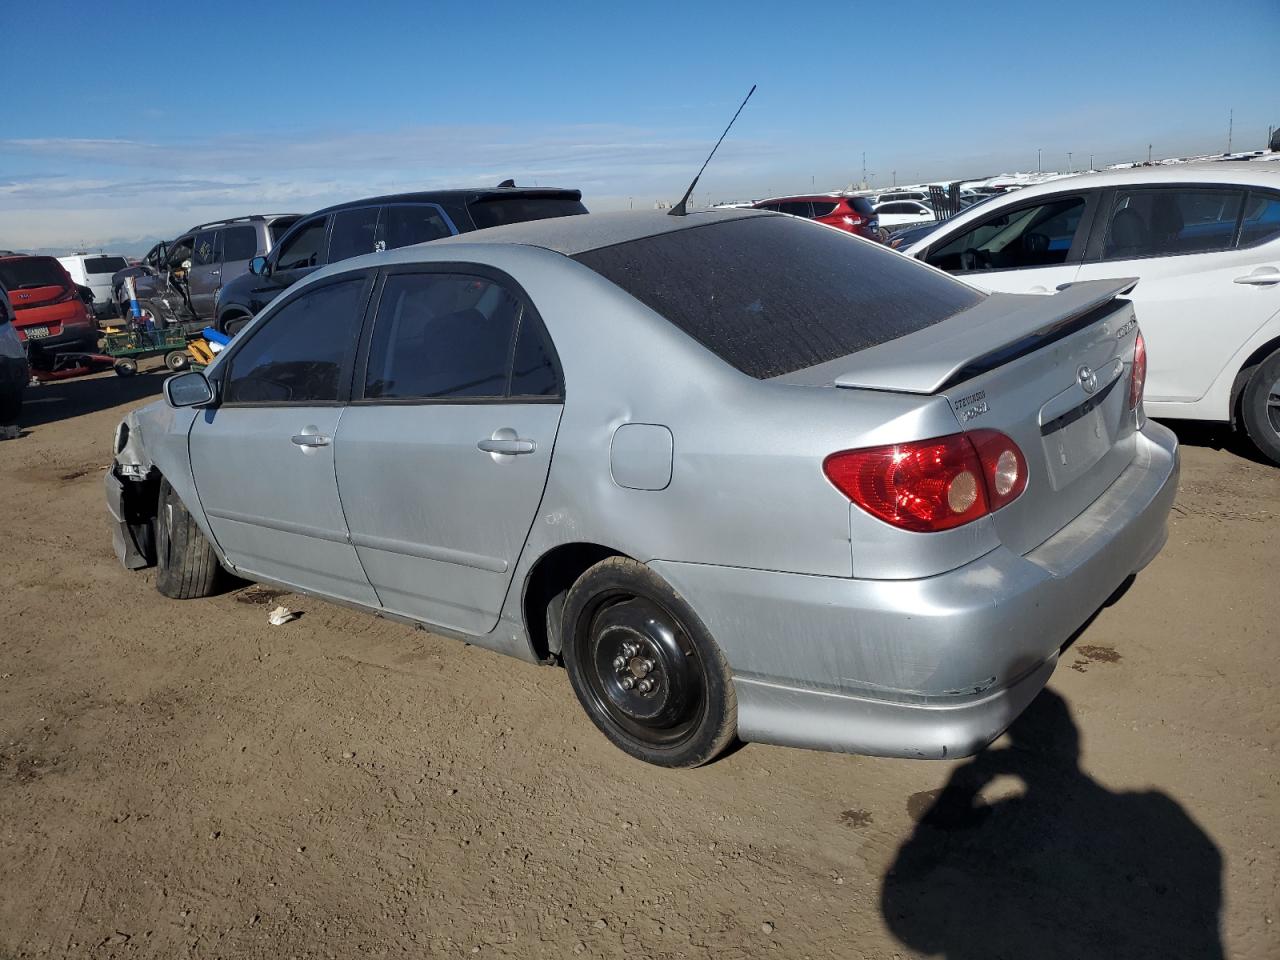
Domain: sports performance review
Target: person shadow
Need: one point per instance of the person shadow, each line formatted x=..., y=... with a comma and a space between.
x=1067, y=869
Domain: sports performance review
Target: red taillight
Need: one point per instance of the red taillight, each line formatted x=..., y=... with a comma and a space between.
x=1138, y=378
x=932, y=485
x=853, y=220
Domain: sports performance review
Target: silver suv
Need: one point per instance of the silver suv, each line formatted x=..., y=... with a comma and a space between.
x=185, y=285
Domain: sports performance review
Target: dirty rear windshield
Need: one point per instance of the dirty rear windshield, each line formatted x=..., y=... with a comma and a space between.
x=772, y=295
x=499, y=210
x=32, y=272
x=104, y=264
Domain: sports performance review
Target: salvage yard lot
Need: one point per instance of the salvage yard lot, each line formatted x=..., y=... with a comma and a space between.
x=185, y=780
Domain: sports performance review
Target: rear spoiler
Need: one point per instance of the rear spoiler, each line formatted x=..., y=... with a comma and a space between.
x=506, y=193
x=998, y=330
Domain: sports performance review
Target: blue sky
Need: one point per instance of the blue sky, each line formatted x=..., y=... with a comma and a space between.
x=172, y=113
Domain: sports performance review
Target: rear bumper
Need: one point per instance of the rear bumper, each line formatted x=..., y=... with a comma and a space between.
x=937, y=667
x=74, y=337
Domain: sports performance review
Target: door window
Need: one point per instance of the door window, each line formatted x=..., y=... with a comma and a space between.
x=822, y=209
x=533, y=365
x=439, y=336
x=298, y=353
x=1037, y=236
x=797, y=208
x=303, y=247
x=202, y=250
x=239, y=243
x=353, y=233
x=1171, y=221
x=404, y=224
x=180, y=251
x=1261, y=220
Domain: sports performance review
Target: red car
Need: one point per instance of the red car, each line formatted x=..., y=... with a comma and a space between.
x=845, y=213
x=49, y=314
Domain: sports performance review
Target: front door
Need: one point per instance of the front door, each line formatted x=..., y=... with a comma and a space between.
x=443, y=455
x=1031, y=248
x=205, y=275
x=263, y=459
x=301, y=250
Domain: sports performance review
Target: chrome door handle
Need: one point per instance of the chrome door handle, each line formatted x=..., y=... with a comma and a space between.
x=1260, y=279
x=312, y=440
x=507, y=446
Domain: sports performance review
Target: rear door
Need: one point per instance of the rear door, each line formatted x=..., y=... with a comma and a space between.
x=1030, y=247
x=442, y=458
x=263, y=459
x=204, y=277
x=353, y=233
x=1208, y=259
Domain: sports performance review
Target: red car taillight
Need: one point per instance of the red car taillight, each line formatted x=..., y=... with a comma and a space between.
x=1138, y=378
x=853, y=220
x=932, y=485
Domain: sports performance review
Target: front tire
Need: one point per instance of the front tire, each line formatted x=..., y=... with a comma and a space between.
x=1260, y=407
x=186, y=566
x=645, y=669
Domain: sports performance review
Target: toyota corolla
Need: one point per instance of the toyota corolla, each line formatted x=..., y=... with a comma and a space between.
x=741, y=474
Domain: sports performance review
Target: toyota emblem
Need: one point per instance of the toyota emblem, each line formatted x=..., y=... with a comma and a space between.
x=1088, y=379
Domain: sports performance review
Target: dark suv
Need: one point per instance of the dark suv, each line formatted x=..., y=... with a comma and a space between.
x=196, y=265
x=381, y=223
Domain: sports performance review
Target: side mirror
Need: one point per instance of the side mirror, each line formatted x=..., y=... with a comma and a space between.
x=260, y=266
x=191, y=389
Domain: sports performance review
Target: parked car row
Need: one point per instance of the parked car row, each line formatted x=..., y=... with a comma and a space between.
x=49, y=312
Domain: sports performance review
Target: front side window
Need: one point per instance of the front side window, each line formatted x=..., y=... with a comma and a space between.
x=441, y=336
x=239, y=243
x=1165, y=222
x=304, y=247
x=180, y=252
x=1261, y=221
x=353, y=233
x=203, y=249
x=404, y=224
x=299, y=352
x=772, y=295
x=1037, y=236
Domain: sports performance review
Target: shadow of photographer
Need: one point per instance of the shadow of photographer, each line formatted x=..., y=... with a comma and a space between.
x=1067, y=869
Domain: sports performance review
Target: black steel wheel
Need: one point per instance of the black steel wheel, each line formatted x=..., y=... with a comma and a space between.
x=644, y=667
x=1260, y=407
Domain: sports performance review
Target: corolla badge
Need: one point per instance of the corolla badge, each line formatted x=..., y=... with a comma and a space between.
x=1088, y=379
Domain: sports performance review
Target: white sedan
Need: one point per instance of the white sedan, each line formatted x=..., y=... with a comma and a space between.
x=904, y=213
x=1204, y=242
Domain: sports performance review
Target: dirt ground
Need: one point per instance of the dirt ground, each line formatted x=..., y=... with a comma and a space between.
x=184, y=780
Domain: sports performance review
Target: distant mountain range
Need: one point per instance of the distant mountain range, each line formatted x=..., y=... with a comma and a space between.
x=134, y=247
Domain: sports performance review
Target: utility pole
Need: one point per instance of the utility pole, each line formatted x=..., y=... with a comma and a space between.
x=1091, y=161
x=895, y=173
x=1148, y=153
x=864, y=169
x=1069, y=170
x=1231, y=122
x=1038, y=159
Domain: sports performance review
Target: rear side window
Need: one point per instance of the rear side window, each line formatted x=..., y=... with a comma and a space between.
x=300, y=351
x=499, y=210
x=239, y=243
x=1261, y=220
x=797, y=208
x=441, y=336
x=353, y=233
x=1034, y=236
x=99, y=265
x=31, y=272
x=771, y=295
x=1171, y=221
x=404, y=224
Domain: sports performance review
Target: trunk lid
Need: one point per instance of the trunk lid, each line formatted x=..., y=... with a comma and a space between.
x=1052, y=373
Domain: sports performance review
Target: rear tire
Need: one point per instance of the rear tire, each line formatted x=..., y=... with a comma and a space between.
x=186, y=566
x=645, y=669
x=1260, y=407
x=125, y=367
x=177, y=361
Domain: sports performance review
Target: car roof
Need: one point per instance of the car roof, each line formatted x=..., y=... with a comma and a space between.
x=1241, y=172
x=591, y=231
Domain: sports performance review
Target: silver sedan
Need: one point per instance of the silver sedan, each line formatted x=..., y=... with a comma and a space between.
x=742, y=474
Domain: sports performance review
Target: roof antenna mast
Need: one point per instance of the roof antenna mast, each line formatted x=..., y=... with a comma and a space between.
x=681, y=209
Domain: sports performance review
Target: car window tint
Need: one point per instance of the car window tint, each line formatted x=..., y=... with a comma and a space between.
x=823, y=209
x=202, y=250
x=1166, y=222
x=93, y=265
x=772, y=295
x=517, y=209
x=404, y=224
x=28, y=273
x=353, y=233
x=1261, y=221
x=279, y=227
x=797, y=208
x=298, y=353
x=533, y=371
x=180, y=251
x=239, y=243
x=440, y=336
x=302, y=248
x=1035, y=236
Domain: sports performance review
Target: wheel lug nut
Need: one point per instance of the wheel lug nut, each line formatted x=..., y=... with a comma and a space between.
x=619, y=662
x=628, y=682
x=645, y=685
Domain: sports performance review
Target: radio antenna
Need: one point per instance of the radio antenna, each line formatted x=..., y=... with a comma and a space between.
x=681, y=209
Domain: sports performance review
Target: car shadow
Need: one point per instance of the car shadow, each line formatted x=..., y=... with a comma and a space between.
x=1216, y=436
x=62, y=399
x=1066, y=869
